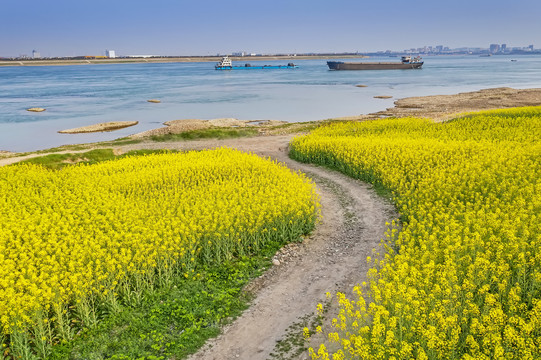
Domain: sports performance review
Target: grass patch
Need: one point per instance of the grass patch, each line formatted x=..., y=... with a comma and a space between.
x=121, y=141
x=79, y=147
x=58, y=161
x=294, y=128
x=225, y=133
x=173, y=321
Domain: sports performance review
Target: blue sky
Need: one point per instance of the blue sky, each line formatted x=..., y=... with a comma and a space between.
x=204, y=27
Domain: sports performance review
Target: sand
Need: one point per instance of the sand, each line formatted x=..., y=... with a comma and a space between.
x=443, y=107
x=106, y=126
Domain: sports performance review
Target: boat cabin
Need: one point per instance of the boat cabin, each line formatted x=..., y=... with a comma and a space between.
x=225, y=62
x=408, y=60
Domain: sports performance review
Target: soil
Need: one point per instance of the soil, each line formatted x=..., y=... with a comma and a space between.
x=443, y=107
x=333, y=257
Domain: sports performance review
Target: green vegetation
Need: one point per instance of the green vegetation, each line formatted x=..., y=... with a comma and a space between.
x=213, y=133
x=152, y=307
x=58, y=161
x=173, y=321
x=460, y=278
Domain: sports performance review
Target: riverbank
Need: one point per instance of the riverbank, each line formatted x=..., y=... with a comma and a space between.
x=444, y=107
x=159, y=60
x=437, y=107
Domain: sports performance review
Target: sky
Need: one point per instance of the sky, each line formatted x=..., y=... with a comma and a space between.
x=203, y=27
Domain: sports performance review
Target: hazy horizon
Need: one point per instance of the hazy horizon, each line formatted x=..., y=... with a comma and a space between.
x=177, y=27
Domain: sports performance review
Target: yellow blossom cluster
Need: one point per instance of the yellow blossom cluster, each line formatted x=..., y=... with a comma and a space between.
x=76, y=236
x=462, y=277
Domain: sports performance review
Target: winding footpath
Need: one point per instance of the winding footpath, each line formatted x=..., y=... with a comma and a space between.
x=332, y=259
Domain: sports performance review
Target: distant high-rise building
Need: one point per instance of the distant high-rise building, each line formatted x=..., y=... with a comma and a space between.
x=110, y=54
x=530, y=47
x=494, y=48
x=503, y=48
x=439, y=48
x=35, y=54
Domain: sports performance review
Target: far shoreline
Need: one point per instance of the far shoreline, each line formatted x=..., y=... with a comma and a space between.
x=164, y=60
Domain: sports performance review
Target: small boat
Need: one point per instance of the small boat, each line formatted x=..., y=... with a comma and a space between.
x=406, y=63
x=226, y=64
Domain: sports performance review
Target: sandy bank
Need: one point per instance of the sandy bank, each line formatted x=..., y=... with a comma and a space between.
x=443, y=107
x=106, y=126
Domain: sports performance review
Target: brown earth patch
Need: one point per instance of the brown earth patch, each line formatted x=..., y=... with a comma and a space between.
x=443, y=107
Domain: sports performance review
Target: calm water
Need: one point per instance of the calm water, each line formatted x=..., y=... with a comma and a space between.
x=87, y=94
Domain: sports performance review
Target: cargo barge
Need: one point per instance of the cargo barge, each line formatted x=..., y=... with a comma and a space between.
x=226, y=64
x=406, y=63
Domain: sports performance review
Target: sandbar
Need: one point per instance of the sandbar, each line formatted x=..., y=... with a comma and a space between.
x=106, y=126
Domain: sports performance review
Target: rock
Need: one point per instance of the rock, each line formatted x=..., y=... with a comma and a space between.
x=154, y=101
x=360, y=85
x=275, y=262
x=36, y=109
x=382, y=97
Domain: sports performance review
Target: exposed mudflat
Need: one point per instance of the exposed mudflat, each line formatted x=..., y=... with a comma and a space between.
x=443, y=107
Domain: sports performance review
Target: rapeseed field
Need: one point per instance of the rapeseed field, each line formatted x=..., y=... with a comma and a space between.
x=90, y=237
x=462, y=277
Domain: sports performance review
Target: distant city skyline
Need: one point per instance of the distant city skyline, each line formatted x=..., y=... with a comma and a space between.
x=498, y=49
x=59, y=28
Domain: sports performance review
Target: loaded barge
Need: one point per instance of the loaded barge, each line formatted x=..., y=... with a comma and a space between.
x=226, y=64
x=406, y=63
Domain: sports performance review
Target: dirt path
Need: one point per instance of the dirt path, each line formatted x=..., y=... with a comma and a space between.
x=331, y=259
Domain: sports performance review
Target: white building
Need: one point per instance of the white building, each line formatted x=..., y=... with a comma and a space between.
x=110, y=54
x=35, y=54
